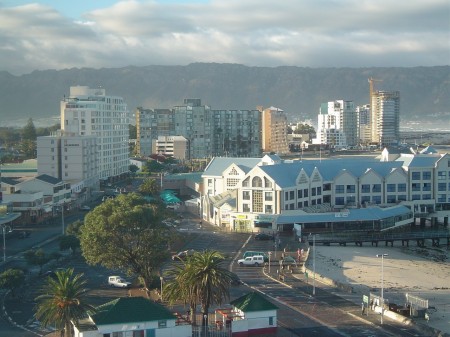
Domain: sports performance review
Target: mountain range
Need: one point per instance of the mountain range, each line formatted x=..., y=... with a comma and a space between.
x=299, y=91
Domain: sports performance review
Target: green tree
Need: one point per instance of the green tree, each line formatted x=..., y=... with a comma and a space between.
x=74, y=228
x=36, y=258
x=201, y=279
x=63, y=300
x=305, y=129
x=12, y=279
x=149, y=186
x=29, y=131
x=126, y=233
x=69, y=242
x=133, y=168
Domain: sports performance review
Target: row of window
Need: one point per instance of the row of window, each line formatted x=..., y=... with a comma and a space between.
x=425, y=175
x=442, y=175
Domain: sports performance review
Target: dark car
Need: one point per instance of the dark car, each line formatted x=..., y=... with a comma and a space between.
x=263, y=236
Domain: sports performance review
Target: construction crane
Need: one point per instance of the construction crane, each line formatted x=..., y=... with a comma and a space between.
x=371, y=80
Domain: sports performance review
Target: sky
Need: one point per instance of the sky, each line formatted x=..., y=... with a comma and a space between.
x=61, y=34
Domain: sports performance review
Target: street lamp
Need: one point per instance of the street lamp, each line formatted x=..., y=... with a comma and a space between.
x=382, y=284
x=161, y=279
x=62, y=219
x=314, y=264
x=4, y=240
x=269, y=253
x=205, y=319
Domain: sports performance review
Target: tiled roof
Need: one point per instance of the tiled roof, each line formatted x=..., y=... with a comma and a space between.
x=253, y=302
x=9, y=181
x=130, y=310
x=48, y=179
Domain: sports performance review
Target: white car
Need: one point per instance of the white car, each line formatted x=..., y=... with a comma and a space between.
x=257, y=260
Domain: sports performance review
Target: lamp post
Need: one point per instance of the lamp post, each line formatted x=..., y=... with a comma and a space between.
x=269, y=253
x=382, y=284
x=4, y=240
x=314, y=264
x=62, y=219
x=162, y=280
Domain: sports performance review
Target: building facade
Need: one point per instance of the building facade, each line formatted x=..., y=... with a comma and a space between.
x=174, y=146
x=274, y=130
x=269, y=190
x=90, y=112
x=385, y=117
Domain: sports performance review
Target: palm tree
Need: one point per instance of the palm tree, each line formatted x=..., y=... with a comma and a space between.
x=201, y=279
x=63, y=300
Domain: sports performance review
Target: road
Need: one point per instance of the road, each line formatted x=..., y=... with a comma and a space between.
x=328, y=313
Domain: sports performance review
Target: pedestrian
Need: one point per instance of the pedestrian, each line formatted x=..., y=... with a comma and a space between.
x=362, y=308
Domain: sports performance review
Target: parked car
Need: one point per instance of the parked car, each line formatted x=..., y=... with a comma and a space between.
x=118, y=282
x=85, y=208
x=183, y=254
x=257, y=260
x=263, y=236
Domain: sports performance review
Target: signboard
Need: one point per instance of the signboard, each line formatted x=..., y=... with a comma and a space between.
x=365, y=299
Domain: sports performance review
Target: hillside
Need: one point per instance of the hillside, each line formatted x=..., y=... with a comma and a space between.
x=425, y=91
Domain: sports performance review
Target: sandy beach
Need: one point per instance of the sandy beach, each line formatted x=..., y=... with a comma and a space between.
x=423, y=272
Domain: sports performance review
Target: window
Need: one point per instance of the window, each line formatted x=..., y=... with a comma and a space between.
x=268, y=209
x=267, y=183
x=415, y=175
x=313, y=202
x=305, y=193
x=313, y=192
x=271, y=320
x=401, y=197
x=291, y=206
x=231, y=182
x=426, y=197
x=426, y=175
x=391, y=199
x=339, y=189
x=365, y=199
x=391, y=187
x=246, y=182
x=286, y=195
x=256, y=182
x=292, y=195
x=305, y=204
x=442, y=175
x=245, y=208
x=415, y=197
x=339, y=200
x=299, y=204
x=351, y=200
x=300, y=194
x=426, y=187
x=246, y=195
x=441, y=197
x=415, y=187
x=401, y=187
x=268, y=196
x=350, y=188
x=376, y=188
x=376, y=199
x=365, y=188
x=319, y=190
x=257, y=198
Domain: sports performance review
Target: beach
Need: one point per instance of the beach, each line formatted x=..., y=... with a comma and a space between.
x=422, y=272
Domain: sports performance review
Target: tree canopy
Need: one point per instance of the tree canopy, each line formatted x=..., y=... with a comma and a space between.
x=12, y=279
x=62, y=300
x=201, y=279
x=126, y=233
x=149, y=186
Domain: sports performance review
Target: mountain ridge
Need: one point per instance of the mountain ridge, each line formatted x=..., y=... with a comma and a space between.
x=299, y=91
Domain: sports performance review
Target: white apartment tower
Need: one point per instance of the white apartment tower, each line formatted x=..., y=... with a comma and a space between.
x=90, y=112
x=337, y=124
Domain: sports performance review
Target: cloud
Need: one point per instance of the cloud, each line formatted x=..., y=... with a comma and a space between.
x=319, y=33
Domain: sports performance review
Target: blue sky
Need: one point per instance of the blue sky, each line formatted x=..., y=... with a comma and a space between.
x=60, y=34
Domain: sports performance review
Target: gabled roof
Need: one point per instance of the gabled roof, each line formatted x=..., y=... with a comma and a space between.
x=253, y=302
x=130, y=310
x=420, y=160
x=218, y=164
x=428, y=150
x=48, y=179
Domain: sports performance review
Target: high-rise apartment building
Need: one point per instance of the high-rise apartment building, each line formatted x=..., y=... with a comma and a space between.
x=90, y=112
x=274, y=130
x=337, y=124
x=209, y=132
x=385, y=117
x=364, y=130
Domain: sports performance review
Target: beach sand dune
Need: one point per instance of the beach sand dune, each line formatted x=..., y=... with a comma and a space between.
x=423, y=272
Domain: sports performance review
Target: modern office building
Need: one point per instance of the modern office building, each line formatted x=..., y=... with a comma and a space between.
x=90, y=112
x=337, y=124
x=385, y=117
x=150, y=124
x=274, y=130
x=346, y=194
